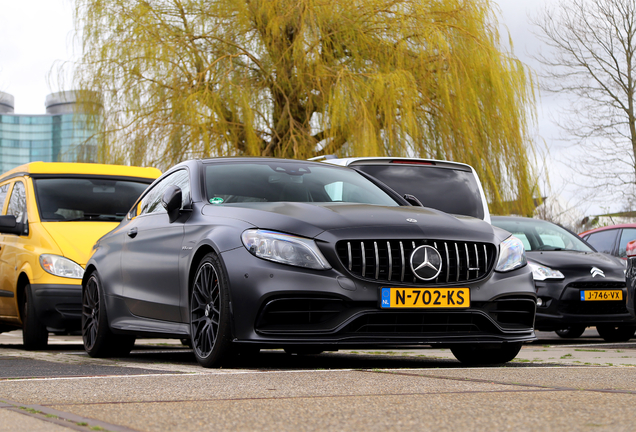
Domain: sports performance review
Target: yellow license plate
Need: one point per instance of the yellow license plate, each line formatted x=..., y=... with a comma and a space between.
x=596, y=295
x=424, y=298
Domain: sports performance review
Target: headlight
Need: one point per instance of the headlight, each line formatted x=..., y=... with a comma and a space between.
x=541, y=272
x=512, y=255
x=284, y=248
x=60, y=266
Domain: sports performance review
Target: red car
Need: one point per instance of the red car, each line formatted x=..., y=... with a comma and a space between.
x=630, y=277
x=611, y=239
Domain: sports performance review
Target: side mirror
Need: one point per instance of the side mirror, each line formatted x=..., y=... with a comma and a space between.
x=412, y=199
x=9, y=225
x=171, y=201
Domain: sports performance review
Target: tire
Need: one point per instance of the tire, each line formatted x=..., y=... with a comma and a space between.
x=616, y=333
x=210, y=330
x=35, y=336
x=573, y=331
x=482, y=354
x=99, y=341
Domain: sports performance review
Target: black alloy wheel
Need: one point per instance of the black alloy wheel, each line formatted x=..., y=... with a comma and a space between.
x=572, y=331
x=486, y=354
x=210, y=313
x=99, y=341
x=616, y=333
x=35, y=336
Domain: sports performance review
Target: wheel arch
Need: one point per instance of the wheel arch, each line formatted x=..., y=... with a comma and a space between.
x=202, y=251
x=23, y=282
x=90, y=268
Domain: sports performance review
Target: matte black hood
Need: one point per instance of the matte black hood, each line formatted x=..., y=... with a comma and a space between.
x=310, y=220
x=574, y=263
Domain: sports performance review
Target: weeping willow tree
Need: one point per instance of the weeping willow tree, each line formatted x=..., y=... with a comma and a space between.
x=300, y=78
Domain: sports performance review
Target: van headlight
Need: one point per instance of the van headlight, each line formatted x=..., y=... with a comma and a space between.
x=512, y=255
x=60, y=266
x=284, y=248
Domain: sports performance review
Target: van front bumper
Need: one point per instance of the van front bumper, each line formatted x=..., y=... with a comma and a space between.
x=59, y=307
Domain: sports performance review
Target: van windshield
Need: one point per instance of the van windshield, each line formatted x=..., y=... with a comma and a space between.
x=450, y=190
x=86, y=199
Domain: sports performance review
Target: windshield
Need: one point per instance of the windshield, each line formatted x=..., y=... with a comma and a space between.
x=86, y=199
x=289, y=182
x=449, y=190
x=540, y=235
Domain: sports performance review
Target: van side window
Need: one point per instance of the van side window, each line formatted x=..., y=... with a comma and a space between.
x=4, y=190
x=17, y=203
x=151, y=202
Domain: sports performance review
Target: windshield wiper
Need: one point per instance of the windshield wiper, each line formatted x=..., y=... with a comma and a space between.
x=98, y=216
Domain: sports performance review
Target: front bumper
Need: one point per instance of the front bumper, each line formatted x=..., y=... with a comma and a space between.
x=278, y=305
x=562, y=305
x=59, y=307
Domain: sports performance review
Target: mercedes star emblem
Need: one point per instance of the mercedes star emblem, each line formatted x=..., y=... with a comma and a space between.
x=426, y=262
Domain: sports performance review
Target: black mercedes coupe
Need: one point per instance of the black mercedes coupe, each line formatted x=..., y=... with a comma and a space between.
x=238, y=254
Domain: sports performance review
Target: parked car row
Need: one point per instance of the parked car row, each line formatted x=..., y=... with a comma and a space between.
x=237, y=254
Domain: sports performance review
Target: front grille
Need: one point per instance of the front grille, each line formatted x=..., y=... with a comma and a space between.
x=574, y=305
x=389, y=260
x=422, y=323
x=593, y=307
x=596, y=285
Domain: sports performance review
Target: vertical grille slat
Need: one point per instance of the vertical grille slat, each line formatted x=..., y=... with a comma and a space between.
x=388, y=248
x=477, y=258
x=388, y=260
x=458, y=262
x=447, y=261
x=403, y=262
x=377, y=260
x=364, y=260
x=467, y=261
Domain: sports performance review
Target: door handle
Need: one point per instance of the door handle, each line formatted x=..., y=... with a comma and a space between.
x=132, y=233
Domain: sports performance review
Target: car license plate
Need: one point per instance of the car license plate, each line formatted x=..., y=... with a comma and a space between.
x=424, y=298
x=598, y=295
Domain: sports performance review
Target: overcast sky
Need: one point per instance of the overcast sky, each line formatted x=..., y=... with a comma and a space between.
x=35, y=34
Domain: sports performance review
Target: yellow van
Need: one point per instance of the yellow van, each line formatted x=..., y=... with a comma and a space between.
x=52, y=214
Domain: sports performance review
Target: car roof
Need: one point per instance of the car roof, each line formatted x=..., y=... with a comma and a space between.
x=386, y=160
x=609, y=227
x=81, y=168
x=517, y=218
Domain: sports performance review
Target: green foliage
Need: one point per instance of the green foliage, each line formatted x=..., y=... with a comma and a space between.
x=299, y=78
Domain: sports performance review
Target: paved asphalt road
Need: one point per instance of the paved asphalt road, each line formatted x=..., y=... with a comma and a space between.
x=554, y=384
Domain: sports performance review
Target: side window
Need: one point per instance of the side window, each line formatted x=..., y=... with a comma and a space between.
x=603, y=241
x=627, y=235
x=4, y=190
x=151, y=202
x=17, y=203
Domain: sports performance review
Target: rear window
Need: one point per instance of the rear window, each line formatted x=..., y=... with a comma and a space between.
x=449, y=190
x=86, y=199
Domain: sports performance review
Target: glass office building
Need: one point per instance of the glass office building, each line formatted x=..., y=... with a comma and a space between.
x=60, y=135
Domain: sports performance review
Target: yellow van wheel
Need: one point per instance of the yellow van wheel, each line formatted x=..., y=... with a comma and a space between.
x=35, y=336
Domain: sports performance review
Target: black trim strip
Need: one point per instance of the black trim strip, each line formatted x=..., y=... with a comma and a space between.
x=4, y=293
x=14, y=175
x=93, y=176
